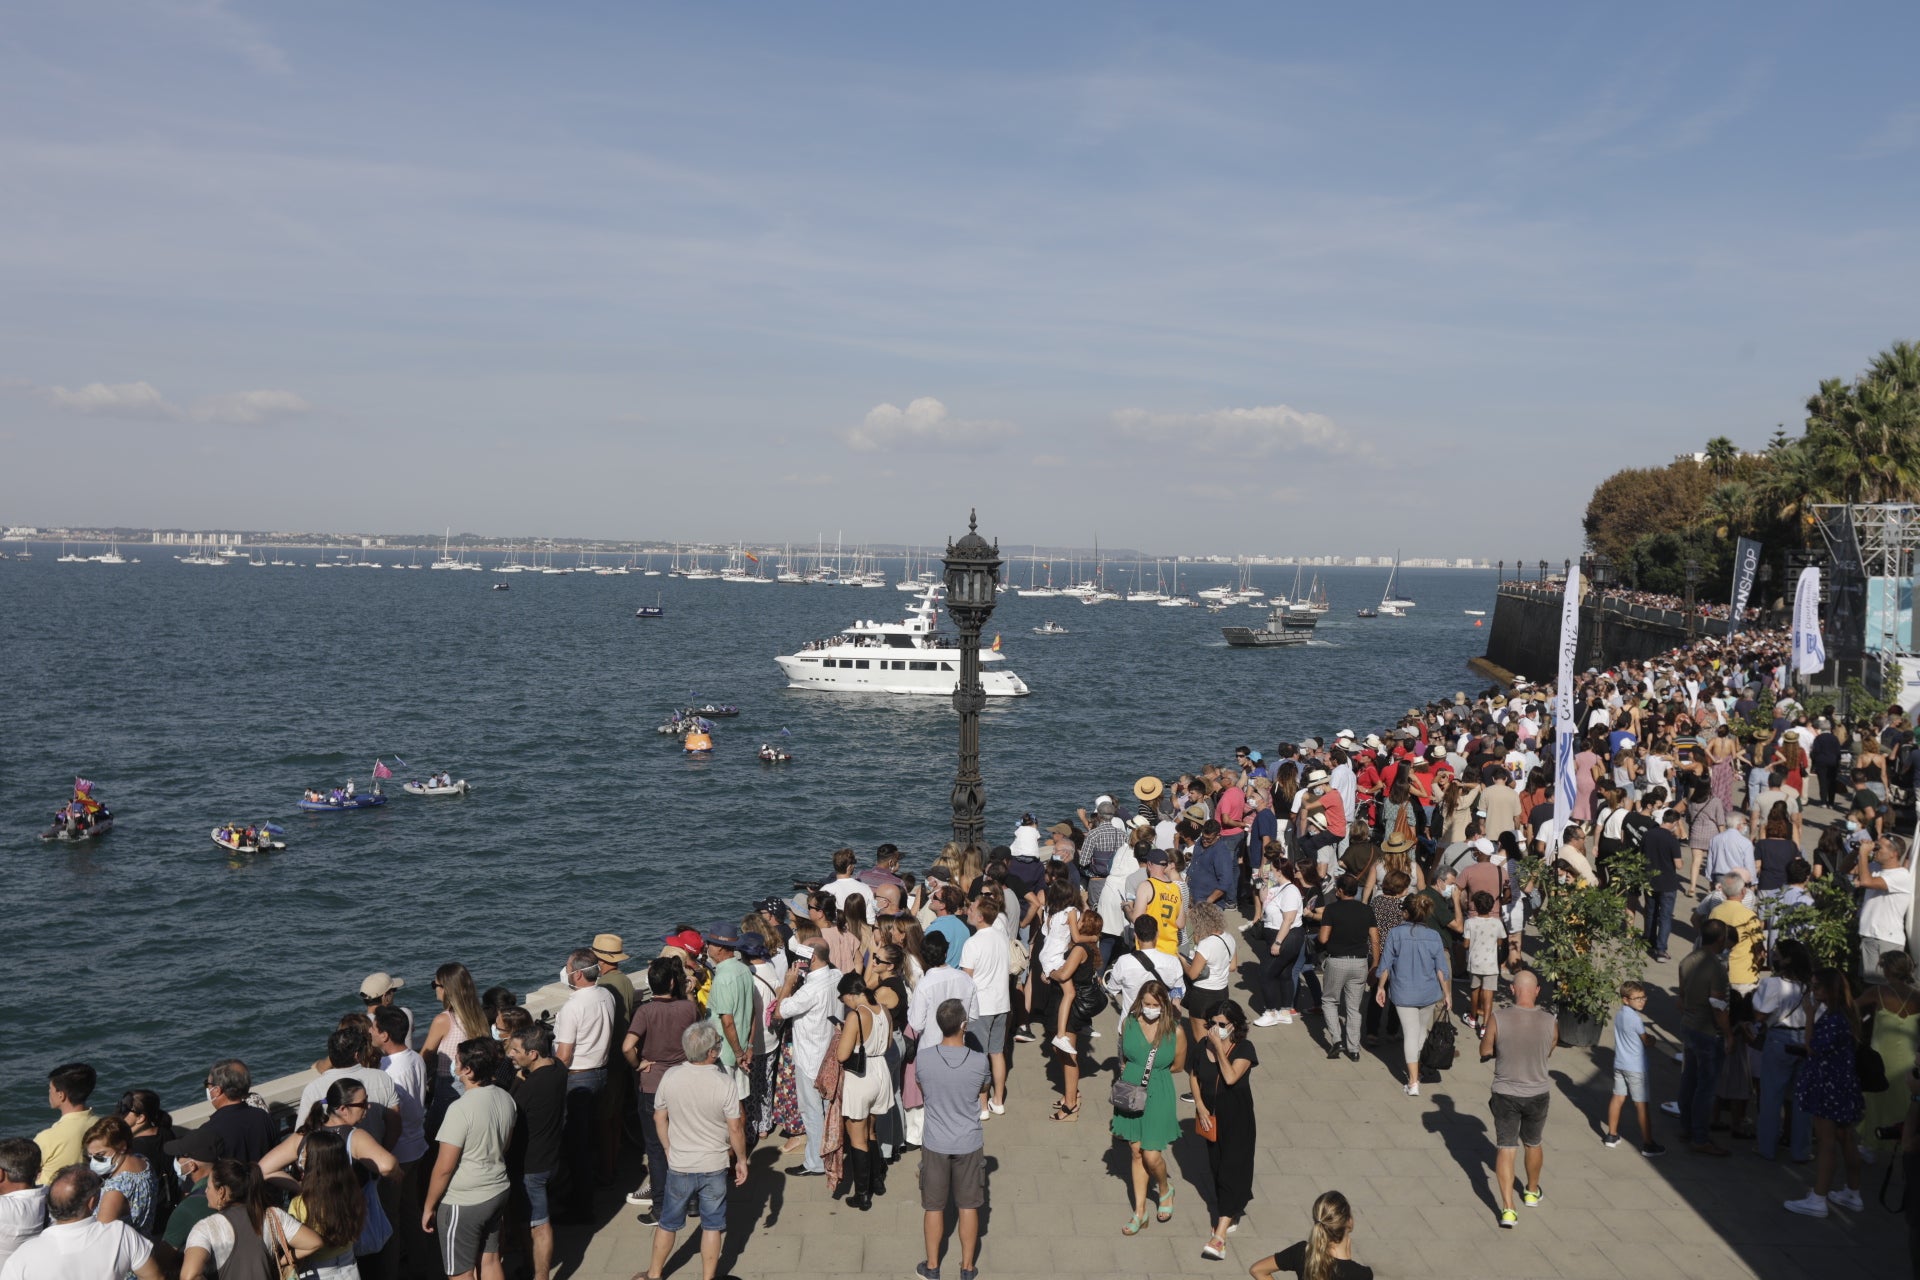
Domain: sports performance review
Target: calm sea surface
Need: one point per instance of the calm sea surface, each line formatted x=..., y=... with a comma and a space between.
x=194, y=695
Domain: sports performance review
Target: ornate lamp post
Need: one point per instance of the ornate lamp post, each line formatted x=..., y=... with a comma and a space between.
x=973, y=579
x=1597, y=569
x=1503, y=573
x=1543, y=571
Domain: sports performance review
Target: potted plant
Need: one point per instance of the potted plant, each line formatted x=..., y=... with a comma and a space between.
x=1586, y=945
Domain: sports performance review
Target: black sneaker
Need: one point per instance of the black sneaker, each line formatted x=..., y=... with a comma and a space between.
x=1186, y=1097
x=926, y=1272
x=1653, y=1149
x=649, y=1219
x=1333, y=1051
x=1353, y=1057
x=1610, y=1140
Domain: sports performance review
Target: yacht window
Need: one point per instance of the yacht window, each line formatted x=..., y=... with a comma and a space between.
x=861, y=663
x=899, y=642
x=923, y=666
x=946, y=666
x=809, y=659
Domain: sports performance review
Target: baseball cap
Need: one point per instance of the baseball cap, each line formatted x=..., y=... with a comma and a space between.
x=378, y=984
x=202, y=1144
x=1154, y=857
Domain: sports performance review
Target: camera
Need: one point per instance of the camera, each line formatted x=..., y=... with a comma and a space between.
x=1890, y=1132
x=807, y=886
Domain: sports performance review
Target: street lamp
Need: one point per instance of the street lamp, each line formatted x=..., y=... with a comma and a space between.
x=1503, y=573
x=973, y=579
x=1543, y=571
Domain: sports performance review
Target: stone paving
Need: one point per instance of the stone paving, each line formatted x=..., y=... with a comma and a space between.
x=1418, y=1171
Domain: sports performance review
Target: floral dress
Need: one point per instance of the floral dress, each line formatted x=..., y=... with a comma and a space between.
x=1829, y=1085
x=138, y=1188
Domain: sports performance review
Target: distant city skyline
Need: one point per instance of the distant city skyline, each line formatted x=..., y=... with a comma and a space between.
x=1206, y=278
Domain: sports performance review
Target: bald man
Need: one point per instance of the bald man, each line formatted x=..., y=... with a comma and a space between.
x=1519, y=1040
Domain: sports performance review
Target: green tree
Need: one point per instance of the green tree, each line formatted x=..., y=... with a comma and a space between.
x=1721, y=455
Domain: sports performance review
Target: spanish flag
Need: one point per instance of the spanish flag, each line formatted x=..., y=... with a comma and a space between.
x=749, y=555
x=996, y=644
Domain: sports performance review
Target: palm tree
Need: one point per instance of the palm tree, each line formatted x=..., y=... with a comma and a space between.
x=1720, y=456
x=1728, y=511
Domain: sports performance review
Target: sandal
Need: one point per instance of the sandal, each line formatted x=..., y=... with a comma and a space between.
x=1165, y=1211
x=1135, y=1225
x=1215, y=1249
x=1066, y=1115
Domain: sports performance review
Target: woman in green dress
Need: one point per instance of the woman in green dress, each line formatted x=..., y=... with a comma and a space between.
x=1890, y=1011
x=1152, y=1030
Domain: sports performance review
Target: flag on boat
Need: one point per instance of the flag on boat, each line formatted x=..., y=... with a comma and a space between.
x=402, y=763
x=996, y=643
x=749, y=555
x=82, y=787
x=380, y=770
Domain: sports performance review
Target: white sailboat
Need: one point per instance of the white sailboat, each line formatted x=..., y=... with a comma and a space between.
x=1398, y=602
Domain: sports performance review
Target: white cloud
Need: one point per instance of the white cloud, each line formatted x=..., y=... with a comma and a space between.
x=250, y=408
x=924, y=423
x=1259, y=431
x=143, y=401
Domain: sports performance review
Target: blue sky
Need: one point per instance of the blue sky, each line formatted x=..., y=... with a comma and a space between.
x=1200, y=279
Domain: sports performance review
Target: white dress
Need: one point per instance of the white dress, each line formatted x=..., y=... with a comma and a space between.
x=870, y=1094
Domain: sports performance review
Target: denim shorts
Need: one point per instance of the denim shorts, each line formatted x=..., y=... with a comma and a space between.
x=535, y=1185
x=1631, y=1085
x=711, y=1188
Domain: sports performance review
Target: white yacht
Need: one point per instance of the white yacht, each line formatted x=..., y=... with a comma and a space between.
x=895, y=657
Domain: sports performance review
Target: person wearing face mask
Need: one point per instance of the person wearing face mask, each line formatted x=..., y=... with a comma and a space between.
x=245, y=1132
x=241, y=1235
x=190, y=1157
x=1153, y=1049
x=583, y=1038
x=1223, y=1098
x=128, y=1187
x=152, y=1130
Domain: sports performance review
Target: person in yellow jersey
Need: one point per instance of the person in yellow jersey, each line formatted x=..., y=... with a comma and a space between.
x=1161, y=897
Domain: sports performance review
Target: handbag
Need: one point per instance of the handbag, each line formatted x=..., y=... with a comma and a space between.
x=1088, y=1001
x=1868, y=1066
x=285, y=1265
x=1132, y=1098
x=1437, y=1054
x=1208, y=1127
x=856, y=1062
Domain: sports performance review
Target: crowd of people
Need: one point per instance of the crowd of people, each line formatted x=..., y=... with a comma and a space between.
x=1382, y=883
x=1627, y=597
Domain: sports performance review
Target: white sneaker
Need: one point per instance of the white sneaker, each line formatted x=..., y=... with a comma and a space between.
x=1094, y=1034
x=1670, y=1108
x=1284, y=1017
x=983, y=1113
x=1812, y=1205
x=1413, y=1090
x=1064, y=1044
x=1271, y=1018
x=1847, y=1198
x=997, y=1108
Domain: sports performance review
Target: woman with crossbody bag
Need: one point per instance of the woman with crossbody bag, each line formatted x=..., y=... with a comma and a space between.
x=1153, y=1049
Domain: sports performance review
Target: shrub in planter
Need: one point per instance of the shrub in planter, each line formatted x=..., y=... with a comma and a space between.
x=1586, y=945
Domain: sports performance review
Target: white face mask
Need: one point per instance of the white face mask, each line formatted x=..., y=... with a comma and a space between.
x=498, y=1034
x=100, y=1164
x=209, y=1094
x=566, y=976
x=1223, y=1032
x=178, y=1172
x=1150, y=1012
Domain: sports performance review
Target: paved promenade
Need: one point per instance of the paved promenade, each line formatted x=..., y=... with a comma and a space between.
x=1418, y=1171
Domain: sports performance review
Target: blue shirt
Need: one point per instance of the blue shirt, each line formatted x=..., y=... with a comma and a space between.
x=1629, y=1050
x=1413, y=957
x=955, y=931
x=1213, y=869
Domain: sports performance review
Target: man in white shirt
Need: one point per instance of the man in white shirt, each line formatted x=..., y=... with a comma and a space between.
x=809, y=998
x=844, y=886
x=23, y=1204
x=1132, y=970
x=941, y=982
x=408, y=1071
x=1883, y=872
x=985, y=959
x=582, y=1037
x=346, y=1049
x=76, y=1245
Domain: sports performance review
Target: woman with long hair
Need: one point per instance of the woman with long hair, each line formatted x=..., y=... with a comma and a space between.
x=1282, y=920
x=1326, y=1253
x=1723, y=749
x=152, y=1130
x=461, y=1016
x=331, y=1202
x=335, y=1116
x=1780, y=1003
x=1153, y=1050
x=1402, y=814
x=1829, y=1091
x=1383, y=868
x=1078, y=975
x=1457, y=803
x=244, y=1237
x=1223, y=1098
x=856, y=924
x=1792, y=760
x=128, y=1191
x=866, y=1087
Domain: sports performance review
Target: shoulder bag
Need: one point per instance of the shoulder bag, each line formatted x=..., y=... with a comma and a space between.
x=1437, y=1054
x=1867, y=1064
x=1132, y=1098
x=856, y=1062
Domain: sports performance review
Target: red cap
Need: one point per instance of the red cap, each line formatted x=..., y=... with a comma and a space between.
x=687, y=940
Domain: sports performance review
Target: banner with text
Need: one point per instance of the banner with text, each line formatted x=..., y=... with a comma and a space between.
x=1746, y=564
x=1566, y=728
x=1809, y=650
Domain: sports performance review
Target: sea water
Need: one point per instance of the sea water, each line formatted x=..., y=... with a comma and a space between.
x=193, y=696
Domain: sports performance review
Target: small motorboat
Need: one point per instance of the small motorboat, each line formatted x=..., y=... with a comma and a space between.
x=697, y=743
x=259, y=838
x=435, y=787
x=339, y=801
x=501, y=586
x=82, y=818
x=1476, y=613
x=770, y=754
x=654, y=610
x=716, y=712
x=1364, y=612
x=1051, y=628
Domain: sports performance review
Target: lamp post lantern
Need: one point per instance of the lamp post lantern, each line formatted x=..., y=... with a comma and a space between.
x=973, y=580
x=1543, y=571
x=1692, y=572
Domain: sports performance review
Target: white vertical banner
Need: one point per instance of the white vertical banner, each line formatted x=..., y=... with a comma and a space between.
x=1566, y=727
x=1809, y=650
